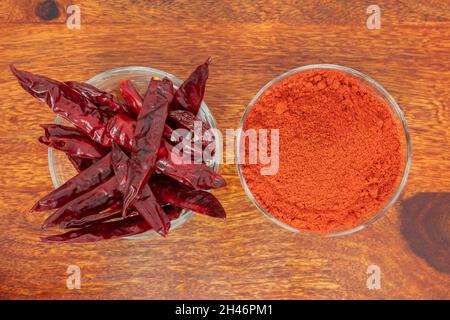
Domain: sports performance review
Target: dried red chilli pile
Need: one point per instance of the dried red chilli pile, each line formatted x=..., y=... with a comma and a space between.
x=127, y=181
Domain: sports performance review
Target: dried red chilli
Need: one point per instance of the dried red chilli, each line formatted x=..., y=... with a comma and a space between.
x=80, y=164
x=71, y=141
x=105, y=101
x=98, y=199
x=112, y=214
x=78, y=185
x=147, y=137
x=72, y=146
x=117, y=205
x=121, y=129
x=176, y=137
x=110, y=230
x=197, y=176
x=145, y=203
x=135, y=100
x=187, y=120
x=168, y=134
x=95, y=218
x=103, y=231
x=68, y=103
x=189, y=95
x=120, y=163
x=177, y=194
x=61, y=131
x=131, y=96
x=151, y=211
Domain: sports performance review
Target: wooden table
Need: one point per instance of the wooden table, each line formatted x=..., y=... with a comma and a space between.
x=251, y=42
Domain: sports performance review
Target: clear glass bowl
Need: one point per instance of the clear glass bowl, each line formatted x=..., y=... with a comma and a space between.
x=398, y=116
x=62, y=170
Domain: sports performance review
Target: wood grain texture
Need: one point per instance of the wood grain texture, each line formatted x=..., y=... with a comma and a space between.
x=425, y=225
x=251, y=42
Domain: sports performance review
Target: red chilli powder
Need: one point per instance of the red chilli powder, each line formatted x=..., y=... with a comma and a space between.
x=340, y=154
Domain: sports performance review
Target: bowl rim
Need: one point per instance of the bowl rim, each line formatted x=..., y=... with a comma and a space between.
x=392, y=105
x=204, y=113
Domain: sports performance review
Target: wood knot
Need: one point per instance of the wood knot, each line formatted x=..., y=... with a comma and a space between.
x=47, y=10
x=425, y=224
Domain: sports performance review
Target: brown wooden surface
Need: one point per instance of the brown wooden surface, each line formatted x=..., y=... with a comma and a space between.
x=251, y=42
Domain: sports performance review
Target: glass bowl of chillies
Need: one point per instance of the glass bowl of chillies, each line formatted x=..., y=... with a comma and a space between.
x=61, y=166
x=110, y=153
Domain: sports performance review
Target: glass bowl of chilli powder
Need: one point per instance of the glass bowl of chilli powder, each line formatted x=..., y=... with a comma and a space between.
x=323, y=150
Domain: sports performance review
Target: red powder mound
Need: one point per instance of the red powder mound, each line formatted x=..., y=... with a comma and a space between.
x=340, y=151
